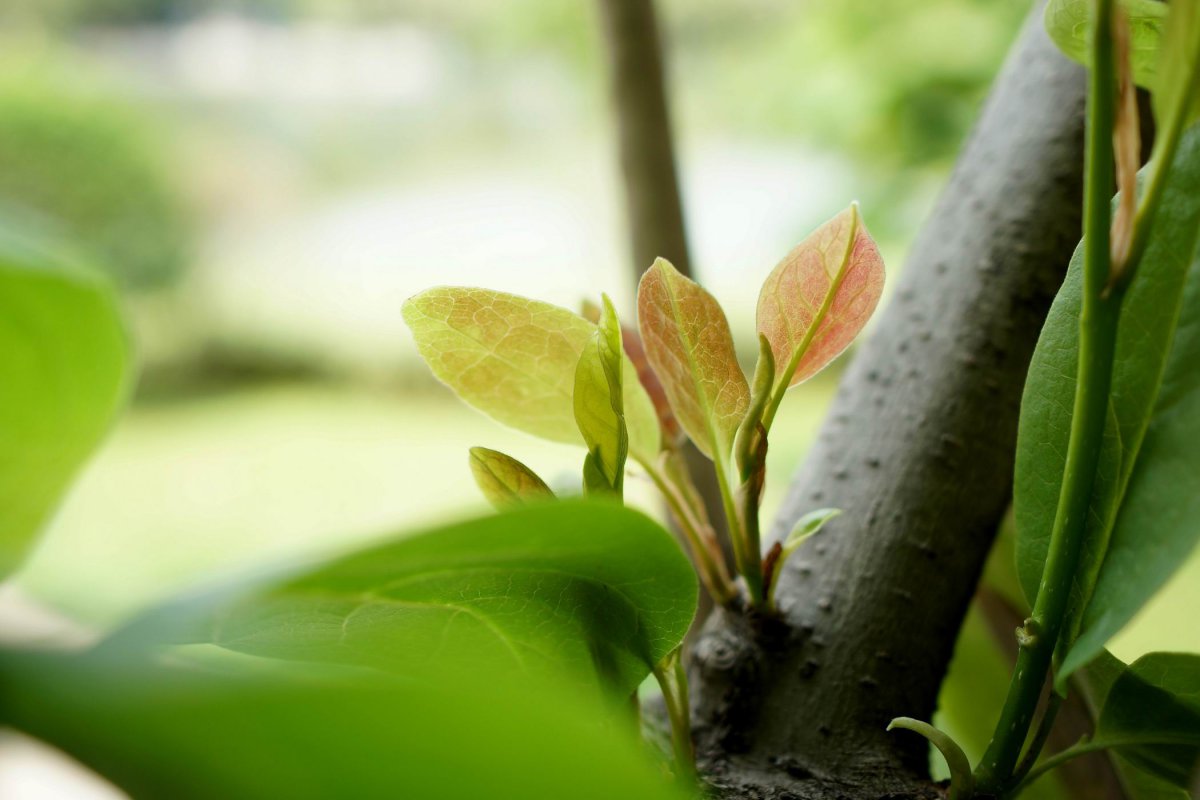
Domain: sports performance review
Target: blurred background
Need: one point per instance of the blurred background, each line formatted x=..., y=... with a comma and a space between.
x=267, y=181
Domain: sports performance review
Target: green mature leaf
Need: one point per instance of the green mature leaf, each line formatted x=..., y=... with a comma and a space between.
x=1069, y=21
x=505, y=481
x=1156, y=701
x=1119, y=568
x=599, y=409
x=819, y=297
x=158, y=731
x=64, y=375
x=515, y=359
x=579, y=588
x=1096, y=681
x=1155, y=529
x=688, y=343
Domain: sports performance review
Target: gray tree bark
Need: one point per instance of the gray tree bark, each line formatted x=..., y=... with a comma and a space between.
x=918, y=451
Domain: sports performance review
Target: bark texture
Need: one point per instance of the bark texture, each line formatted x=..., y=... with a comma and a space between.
x=918, y=451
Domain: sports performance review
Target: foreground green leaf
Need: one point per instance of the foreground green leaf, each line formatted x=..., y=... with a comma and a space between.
x=1152, y=715
x=505, y=481
x=583, y=589
x=688, y=342
x=514, y=359
x=1068, y=23
x=1121, y=564
x=599, y=408
x=64, y=375
x=157, y=731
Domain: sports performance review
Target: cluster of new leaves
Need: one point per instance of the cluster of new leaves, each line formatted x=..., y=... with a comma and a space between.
x=555, y=374
x=439, y=665
x=424, y=644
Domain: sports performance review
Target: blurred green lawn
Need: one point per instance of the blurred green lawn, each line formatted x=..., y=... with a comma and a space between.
x=184, y=491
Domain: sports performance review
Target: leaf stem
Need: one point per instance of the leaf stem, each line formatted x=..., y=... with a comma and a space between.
x=1097, y=344
x=748, y=561
x=1083, y=747
x=1045, y=724
x=710, y=563
x=672, y=679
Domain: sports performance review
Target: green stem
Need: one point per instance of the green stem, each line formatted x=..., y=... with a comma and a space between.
x=1053, y=704
x=672, y=679
x=1085, y=747
x=748, y=563
x=712, y=572
x=1097, y=344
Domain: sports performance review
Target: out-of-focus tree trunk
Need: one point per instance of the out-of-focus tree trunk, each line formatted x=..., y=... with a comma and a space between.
x=654, y=209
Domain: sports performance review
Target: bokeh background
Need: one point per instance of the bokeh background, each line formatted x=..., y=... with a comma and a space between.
x=268, y=180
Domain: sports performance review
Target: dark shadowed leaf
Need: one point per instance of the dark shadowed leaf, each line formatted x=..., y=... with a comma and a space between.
x=1152, y=715
x=1096, y=681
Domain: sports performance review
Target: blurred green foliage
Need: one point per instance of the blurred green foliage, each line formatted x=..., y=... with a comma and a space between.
x=93, y=168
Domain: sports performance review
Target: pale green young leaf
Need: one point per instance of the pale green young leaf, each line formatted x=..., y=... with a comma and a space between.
x=1069, y=21
x=599, y=408
x=64, y=376
x=514, y=359
x=819, y=297
x=157, y=730
x=1152, y=715
x=505, y=481
x=590, y=590
x=1124, y=561
x=804, y=528
x=688, y=342
x=961, y=781
x=807, y=525
x=1177, y=90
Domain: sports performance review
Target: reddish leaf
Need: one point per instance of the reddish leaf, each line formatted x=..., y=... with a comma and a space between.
x=688, y=343
x=817, y=300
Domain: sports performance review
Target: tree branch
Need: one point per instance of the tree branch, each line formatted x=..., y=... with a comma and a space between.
x=918, y=450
